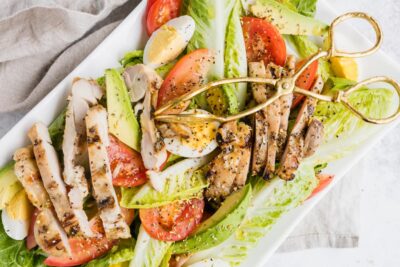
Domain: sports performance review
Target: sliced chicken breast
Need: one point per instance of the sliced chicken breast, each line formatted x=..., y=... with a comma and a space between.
x=103, y=191
x=48, y=232
x=285, y=105
x=267, y=121
x=294, y=151
x=314, y=137
x=27, y=172
x=139, y=79
x=144, y=81
x=50, y=171
x=228, y=171
x=84, y=93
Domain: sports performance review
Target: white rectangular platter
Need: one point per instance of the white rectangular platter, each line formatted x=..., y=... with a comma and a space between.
x=131, y=34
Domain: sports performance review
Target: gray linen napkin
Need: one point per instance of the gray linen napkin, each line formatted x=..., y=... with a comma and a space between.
x=42, y=41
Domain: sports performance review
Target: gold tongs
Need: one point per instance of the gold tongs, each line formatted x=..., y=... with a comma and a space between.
x=286, y=86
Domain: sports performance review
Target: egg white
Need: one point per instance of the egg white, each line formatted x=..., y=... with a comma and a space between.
x=17, y=229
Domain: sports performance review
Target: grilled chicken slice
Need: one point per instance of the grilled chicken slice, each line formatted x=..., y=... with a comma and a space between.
x=27, y=172
x=49, y=234
x=50, y=171
x=228, y=171
x=103, y=191
x=267, y=121
x=153, y=149
x=314, y=137
x=139, y=79
x=84, y=94
x=285, y=105
x=294, y=151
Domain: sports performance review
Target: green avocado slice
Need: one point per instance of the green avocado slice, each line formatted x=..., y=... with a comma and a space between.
x=286, y=20
x=121, y=119
x=218, y=227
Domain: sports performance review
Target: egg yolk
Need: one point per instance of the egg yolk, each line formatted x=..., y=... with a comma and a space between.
x=202, y=135
x=166, y=45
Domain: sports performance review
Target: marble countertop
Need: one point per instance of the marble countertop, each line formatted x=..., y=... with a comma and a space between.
x=380, y=197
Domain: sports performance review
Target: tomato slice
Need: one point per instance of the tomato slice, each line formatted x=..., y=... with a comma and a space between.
x=305, y=80
x=160, y=12
x=126, y=164
x=187, y=74
x=172, y=222
x=30, y=239
x=84, y=250
x=324, y=181
x=263, y=41
x=149, y=5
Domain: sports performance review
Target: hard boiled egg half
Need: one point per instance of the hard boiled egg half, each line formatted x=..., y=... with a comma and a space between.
x=200, y=142
x=17, y=215
x=168, y=41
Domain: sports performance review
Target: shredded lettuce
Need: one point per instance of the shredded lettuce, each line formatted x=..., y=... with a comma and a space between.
x=235, y=57
x=271, y=200
x=181, y=186
x=149, y=252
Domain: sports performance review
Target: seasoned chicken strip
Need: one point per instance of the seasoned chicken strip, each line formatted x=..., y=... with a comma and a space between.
x=84, y=94
x=295, y=146
x=285, y=105
x=103, y=191
x=260, y=146
x=153, y=149
x=314, y=137
x=27, y=172
x=48, y=232
x=267, y=121
x=50, y=171
x=228, y=171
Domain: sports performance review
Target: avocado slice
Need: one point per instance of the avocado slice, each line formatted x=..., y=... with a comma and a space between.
x=218, y=227
x=9, y=185
x=121, y=120
x=286, y=20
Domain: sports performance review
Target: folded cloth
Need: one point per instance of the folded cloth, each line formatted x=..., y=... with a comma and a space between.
x=42, y=41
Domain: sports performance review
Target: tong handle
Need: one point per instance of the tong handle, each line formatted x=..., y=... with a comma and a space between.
x=343, y=97
x=334, y=52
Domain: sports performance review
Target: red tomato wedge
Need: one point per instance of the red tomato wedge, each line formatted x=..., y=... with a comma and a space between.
x=149, y=4
x=30, y=239
x=187, y=74
x=324, y=181
x=172, y=222
x=126, y=164
x=263, y=41
x=305, y=80
x=84, y=250
x=160, y=12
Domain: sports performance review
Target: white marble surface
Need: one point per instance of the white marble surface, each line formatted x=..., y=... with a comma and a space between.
x=380, y=197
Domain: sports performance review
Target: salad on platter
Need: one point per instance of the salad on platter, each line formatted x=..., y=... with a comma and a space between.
x=109, y=184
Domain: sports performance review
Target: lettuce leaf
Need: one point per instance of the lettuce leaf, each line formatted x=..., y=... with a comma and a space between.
x=235, y=57
x=212, y=18
x=14, y=252
x=305, y=7
x=179, y=187
x=271, y=200
x=149, y=252
x=121, y=253
x=132, y=58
